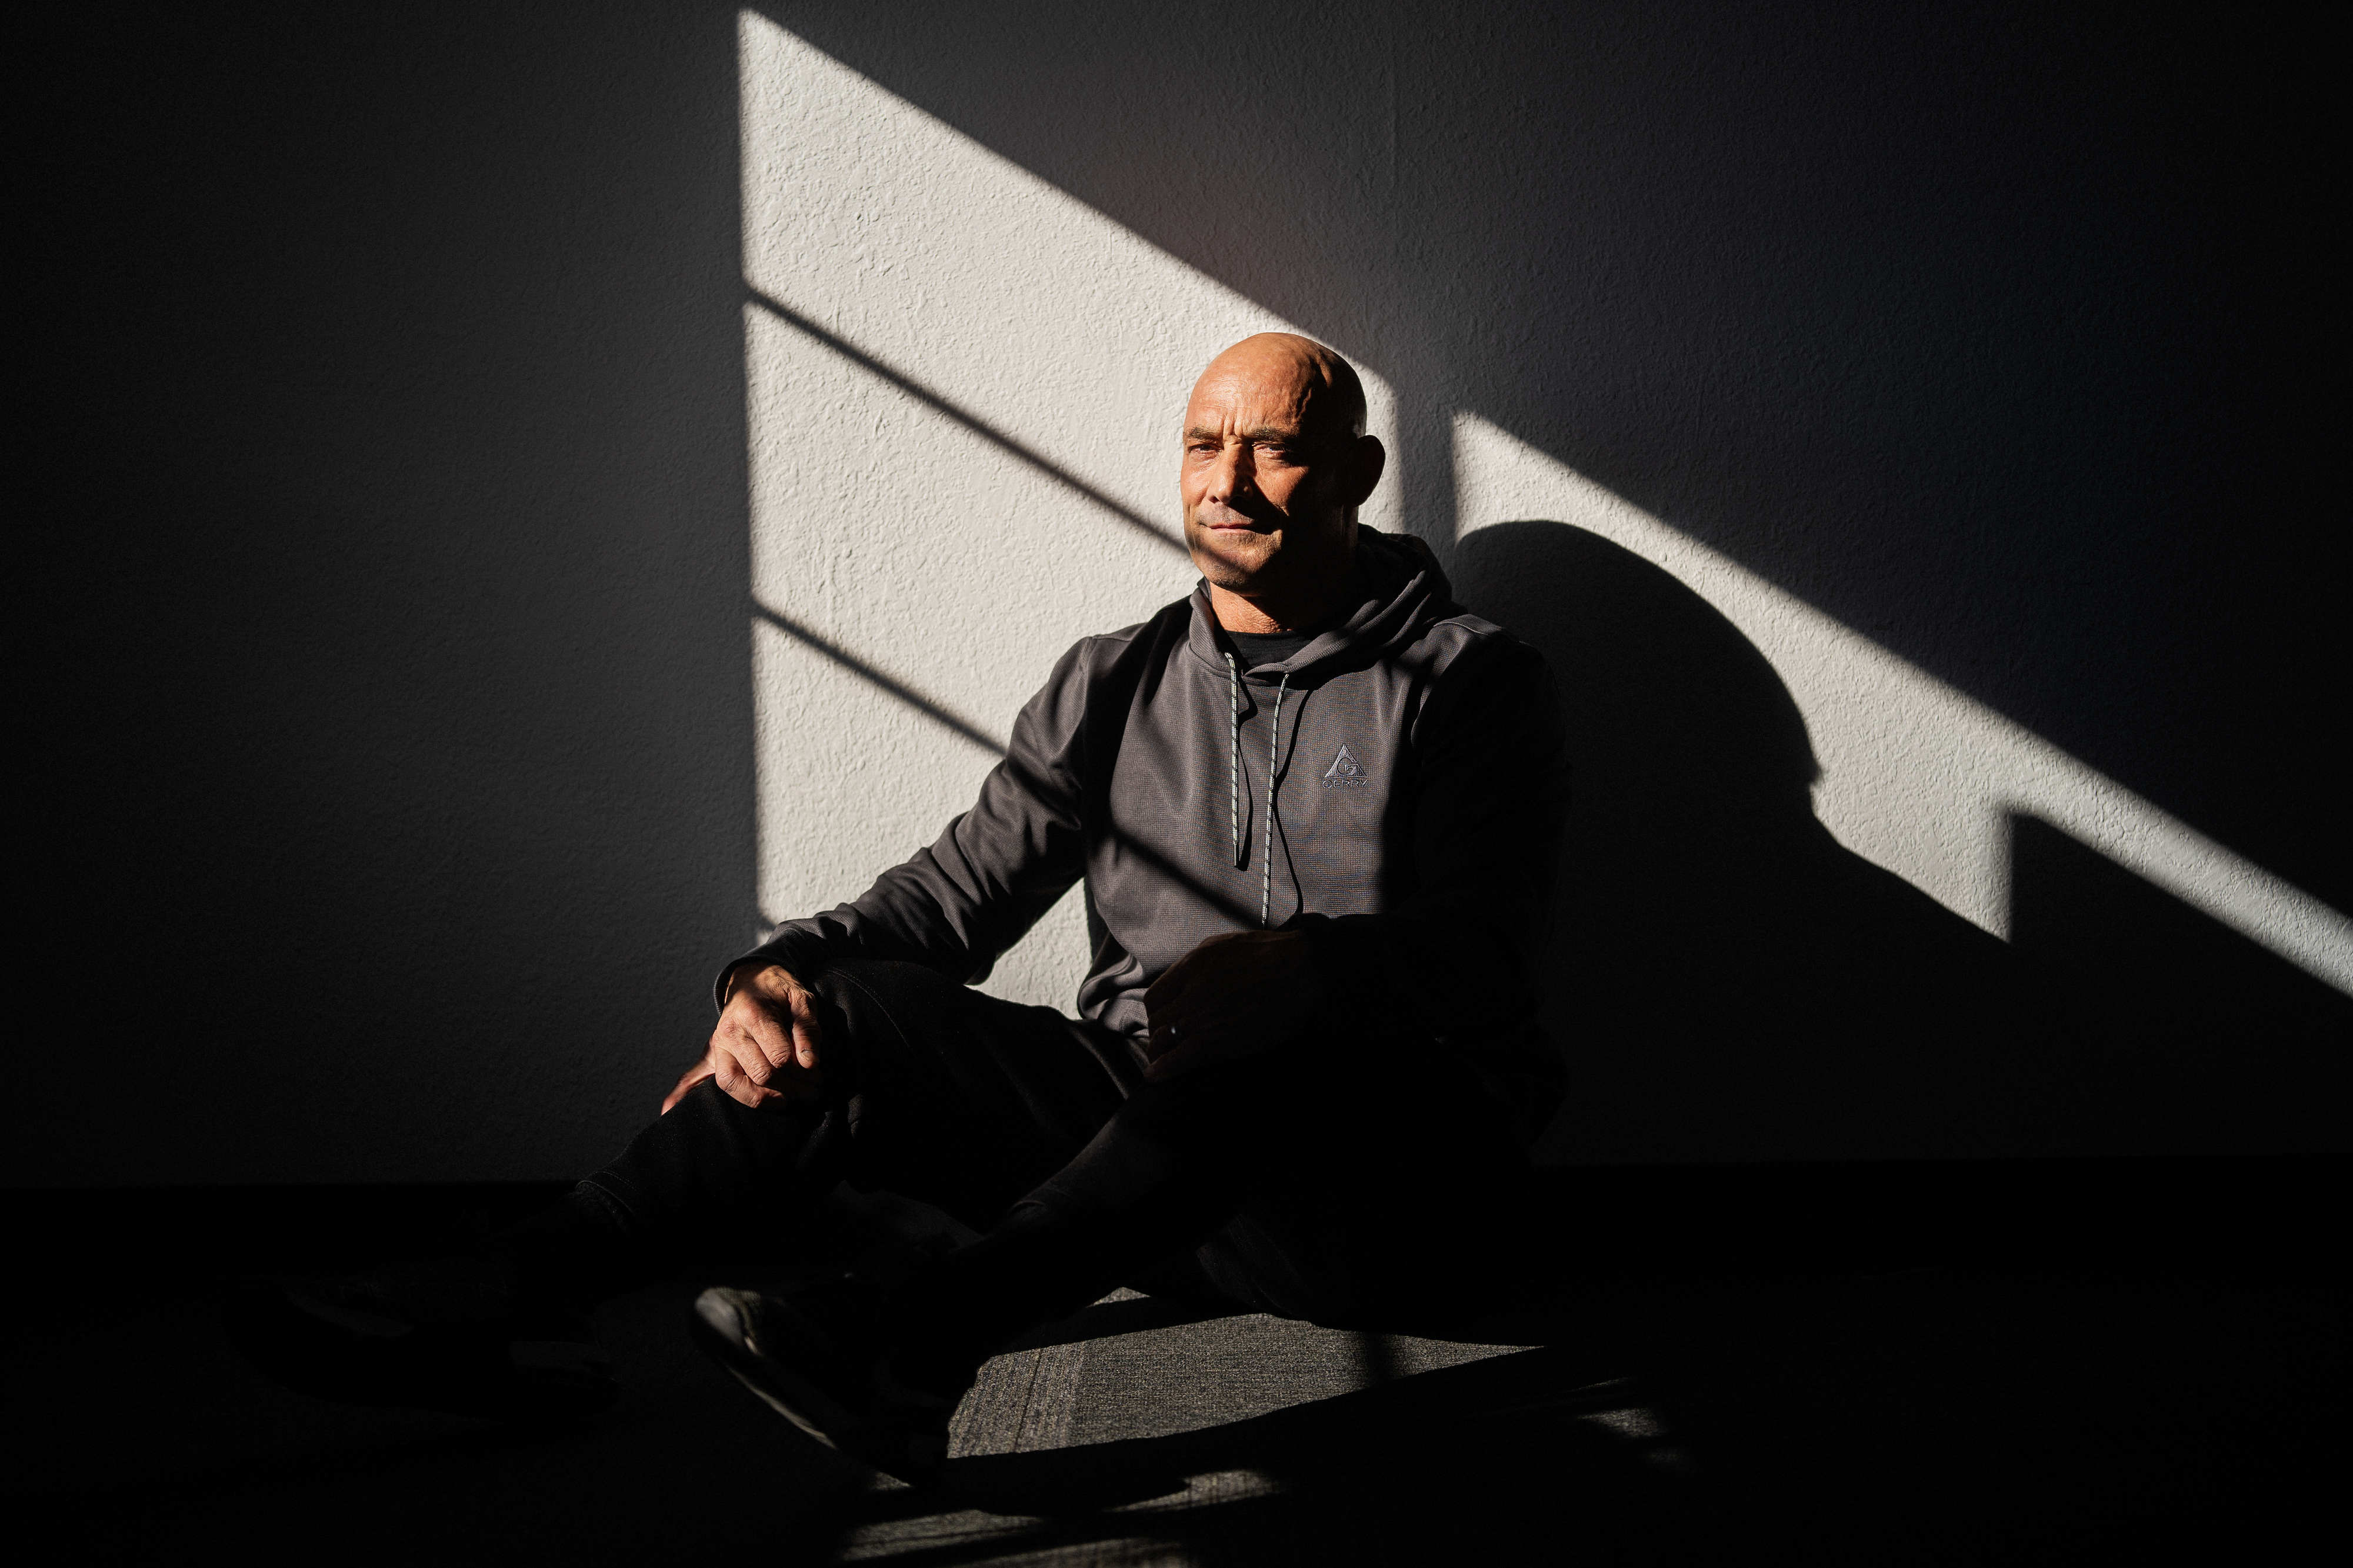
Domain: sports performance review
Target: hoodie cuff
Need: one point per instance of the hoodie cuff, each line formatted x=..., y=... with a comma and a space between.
x=802, y=957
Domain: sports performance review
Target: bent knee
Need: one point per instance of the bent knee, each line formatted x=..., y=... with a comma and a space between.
x=892, y=984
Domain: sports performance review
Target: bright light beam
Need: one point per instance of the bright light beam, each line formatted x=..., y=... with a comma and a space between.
x=964, y=388
x=1916, y=775
x=964, y=385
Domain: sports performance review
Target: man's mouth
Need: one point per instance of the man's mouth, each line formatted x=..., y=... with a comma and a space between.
x=1223, y=519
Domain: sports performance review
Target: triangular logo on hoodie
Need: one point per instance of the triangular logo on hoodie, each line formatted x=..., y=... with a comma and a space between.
x=1345, y=770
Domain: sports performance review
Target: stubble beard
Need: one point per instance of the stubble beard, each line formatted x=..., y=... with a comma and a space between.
x=1222, y=570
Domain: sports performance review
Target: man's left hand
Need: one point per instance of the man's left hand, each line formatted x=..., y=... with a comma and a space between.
x=1232, y=996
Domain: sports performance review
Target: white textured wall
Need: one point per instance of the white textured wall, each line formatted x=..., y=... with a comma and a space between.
x=954, y=539
x=957, y=566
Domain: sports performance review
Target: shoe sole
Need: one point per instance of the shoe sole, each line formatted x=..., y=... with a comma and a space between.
x=723, y=1328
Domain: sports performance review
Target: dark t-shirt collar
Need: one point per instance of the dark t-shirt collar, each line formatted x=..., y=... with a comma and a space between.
x=1252, y=649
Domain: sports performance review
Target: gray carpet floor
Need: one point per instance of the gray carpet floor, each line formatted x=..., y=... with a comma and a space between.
x=1155, y=1379
x=1940, y=1417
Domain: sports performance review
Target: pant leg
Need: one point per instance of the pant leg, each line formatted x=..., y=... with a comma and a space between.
x=1406, y=1206
x=1306, y=1180
x=930, y=1089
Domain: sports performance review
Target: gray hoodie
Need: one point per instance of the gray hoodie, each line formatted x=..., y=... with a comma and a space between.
x=1394, y=789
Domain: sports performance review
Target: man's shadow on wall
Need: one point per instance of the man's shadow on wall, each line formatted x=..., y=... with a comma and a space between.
x=1729, y=982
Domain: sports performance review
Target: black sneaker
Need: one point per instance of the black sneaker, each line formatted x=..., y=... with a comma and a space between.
x=445, y=1336
x=814, y=1357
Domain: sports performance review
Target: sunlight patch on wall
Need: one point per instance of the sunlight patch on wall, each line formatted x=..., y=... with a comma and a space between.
x=964, y=392
x=964, y=387
x=1915, y=776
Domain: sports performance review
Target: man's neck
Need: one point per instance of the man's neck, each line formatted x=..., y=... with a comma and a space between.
x=1269, y=614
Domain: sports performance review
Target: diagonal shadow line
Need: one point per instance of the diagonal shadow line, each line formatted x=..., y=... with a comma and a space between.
x=1244, y=915
x=979, y=427
x=873, y=677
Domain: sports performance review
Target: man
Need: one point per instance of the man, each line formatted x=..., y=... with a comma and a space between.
x=1316, y=808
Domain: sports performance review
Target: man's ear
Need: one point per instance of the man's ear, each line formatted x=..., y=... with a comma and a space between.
x=1367, y=461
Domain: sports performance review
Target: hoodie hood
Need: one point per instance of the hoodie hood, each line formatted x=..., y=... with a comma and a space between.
x=1403, y=591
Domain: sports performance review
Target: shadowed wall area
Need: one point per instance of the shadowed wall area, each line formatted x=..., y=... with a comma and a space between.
x=387, y=653
x=1904, y=432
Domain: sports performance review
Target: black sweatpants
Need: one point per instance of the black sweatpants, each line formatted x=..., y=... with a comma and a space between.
x=1327, y=1178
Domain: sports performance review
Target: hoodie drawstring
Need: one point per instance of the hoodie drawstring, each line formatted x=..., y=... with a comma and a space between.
x=1234, y=780
x=1273, y=751
x=1234, y=757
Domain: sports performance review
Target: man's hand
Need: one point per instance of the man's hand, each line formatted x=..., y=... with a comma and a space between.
x=1232, y=996
x=765, y=1050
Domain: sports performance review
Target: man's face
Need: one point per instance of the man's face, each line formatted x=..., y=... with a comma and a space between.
x=1265, y=486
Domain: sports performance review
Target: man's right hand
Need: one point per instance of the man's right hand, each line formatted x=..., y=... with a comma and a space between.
x=765, y=1050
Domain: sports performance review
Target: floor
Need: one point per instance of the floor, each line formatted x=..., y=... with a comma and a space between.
x=1966, y=1411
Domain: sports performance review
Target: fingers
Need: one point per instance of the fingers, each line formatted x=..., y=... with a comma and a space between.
x=1173, y=1001
x=1187, y=971
x=771, y=1044
x=1215, y=964
x=1274, y=998
x=1201, y=1022
x=1201, y=1014
x=1187, y=1017
x=742, y=1061
x=785, y=1049
x=807, y=1034
x=780, y=1013
x=767, y=1046
x=1232, y=996
x=1182, y=975
x=734, y=1065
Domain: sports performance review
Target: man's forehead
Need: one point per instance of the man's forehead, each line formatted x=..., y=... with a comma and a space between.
x=1251, y=395
x=1277, y=382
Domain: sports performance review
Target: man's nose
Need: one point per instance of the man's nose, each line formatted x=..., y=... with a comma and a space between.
x=1231, y=474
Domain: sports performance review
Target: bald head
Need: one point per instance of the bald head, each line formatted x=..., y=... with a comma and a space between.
x=1326, y=398
x=1276, y=463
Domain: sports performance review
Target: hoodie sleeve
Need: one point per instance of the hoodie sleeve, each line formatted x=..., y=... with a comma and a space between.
x=1463, y=952
x=956, y=907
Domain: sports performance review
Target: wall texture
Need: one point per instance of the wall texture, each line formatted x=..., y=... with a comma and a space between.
x=1903, y=432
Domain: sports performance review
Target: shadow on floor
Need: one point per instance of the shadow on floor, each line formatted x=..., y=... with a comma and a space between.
x=1927, y=1364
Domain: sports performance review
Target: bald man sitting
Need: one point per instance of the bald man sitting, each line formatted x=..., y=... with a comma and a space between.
x=1316, y=808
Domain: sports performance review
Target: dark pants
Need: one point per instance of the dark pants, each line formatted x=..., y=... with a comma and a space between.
x=1326, y=1178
